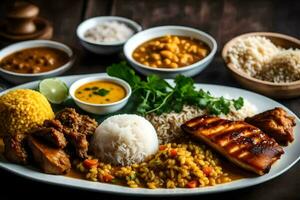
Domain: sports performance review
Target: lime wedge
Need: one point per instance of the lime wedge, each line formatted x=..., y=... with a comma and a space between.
x=55, y=90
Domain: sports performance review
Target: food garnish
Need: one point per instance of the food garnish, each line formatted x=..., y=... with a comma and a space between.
x=55, y=90
x=155, y=95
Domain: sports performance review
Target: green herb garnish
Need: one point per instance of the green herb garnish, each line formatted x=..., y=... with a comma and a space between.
x=102, y=92
x=158, y=96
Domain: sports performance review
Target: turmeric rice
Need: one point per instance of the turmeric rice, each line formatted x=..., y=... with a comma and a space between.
x=21, y=110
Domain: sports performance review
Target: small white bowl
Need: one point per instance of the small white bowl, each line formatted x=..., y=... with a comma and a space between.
x=19, y=78
x=104, y=48
x=100, y=109
x=146, y=35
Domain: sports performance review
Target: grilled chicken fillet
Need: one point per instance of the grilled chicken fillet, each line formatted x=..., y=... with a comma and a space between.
x=241, y=143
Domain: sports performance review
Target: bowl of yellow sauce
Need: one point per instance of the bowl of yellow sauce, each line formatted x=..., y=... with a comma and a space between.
x=100, y=95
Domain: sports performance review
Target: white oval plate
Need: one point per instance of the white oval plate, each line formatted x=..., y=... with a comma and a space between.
x=262, y=103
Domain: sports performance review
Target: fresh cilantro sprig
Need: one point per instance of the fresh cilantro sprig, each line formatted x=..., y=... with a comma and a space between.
x=155, y=95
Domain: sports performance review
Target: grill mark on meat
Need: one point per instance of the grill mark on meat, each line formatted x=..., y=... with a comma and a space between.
x=240, y=142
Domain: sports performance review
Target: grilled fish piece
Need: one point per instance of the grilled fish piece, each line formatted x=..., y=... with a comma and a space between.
x=241, y=143
x=276, y=123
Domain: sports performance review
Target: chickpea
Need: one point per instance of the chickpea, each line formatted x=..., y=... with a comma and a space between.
x=136, y=55
x=155, y=56
x=146, y=63
x=186, y=46
x=161, y=46
x=176, y=40
x=142, y=49
x=167, y=61
x=173, y=65
x=175, y=58
x=157, y=43
x=142, y=59
x=193, y=49
x=183, y=60
x=183, y=41
x=167, y=54
x=158, y=63
x=202, y=52
x=153, y=65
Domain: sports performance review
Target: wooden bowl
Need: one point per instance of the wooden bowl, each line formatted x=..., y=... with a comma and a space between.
x=275, y=90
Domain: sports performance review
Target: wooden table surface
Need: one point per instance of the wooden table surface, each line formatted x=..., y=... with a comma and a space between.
x=223, y=19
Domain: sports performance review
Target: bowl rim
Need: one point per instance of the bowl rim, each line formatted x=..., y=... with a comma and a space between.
x=211, y=54
x=83, y=81
x=233, y=69
x=43, y=43
x=136, y=27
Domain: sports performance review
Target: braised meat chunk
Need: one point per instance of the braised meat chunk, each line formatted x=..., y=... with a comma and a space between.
x=78, y=142
x=53, y=123
x=51, y=136
x=14, y=149
x=50, y=160
x=73, y=121
x=241, y=143
x=77, y=128
x=87, y=125
x=276, y=123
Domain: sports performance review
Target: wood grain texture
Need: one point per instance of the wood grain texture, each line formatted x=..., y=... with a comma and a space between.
x=223, y=19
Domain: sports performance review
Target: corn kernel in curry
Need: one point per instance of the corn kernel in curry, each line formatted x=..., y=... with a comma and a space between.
x=100, y=92
x=171, y=52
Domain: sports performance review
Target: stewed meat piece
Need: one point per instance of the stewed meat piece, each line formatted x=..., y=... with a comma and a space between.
x=14, y=149
x=77, y=128
x=78, y=142
x=51, y=136
x=53, y=123
x=50, y=160
x=276, y=123
x=87, y=125
x=70, y=119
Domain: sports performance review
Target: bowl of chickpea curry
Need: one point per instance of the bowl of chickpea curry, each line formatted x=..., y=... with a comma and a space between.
x=170, y=50
x=33, y=60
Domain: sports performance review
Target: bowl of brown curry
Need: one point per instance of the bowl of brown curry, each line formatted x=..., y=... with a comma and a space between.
x=34, y=60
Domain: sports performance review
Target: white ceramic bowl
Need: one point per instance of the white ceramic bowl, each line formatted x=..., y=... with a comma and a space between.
x=160, y=31
x=100, y=109
x=104, y=48
x=19, y=78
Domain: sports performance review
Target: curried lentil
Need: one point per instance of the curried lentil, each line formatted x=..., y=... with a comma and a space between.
x=186, y=165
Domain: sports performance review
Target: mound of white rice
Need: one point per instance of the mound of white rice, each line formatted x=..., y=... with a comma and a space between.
x=124, y=140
